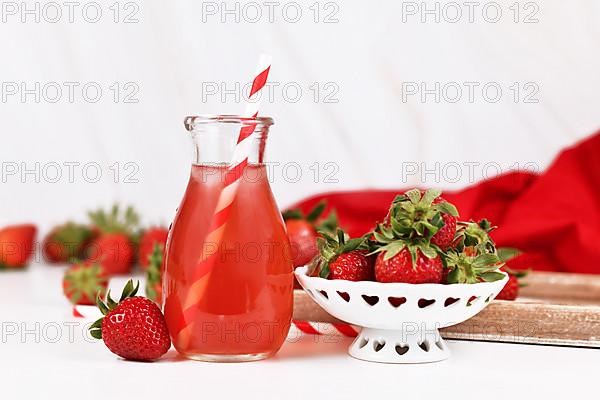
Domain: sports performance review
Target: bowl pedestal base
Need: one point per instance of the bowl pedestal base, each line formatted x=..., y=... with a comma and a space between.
x=407, y=346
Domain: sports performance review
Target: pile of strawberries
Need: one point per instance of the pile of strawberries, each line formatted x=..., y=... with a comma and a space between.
x=421, y=240
x=111, y=244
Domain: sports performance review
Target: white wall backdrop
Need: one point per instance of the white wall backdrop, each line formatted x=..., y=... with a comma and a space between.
x=367, y=62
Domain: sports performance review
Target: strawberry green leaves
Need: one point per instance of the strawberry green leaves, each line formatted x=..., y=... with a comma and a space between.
x=508, y=253
x=465, y=268
x=292, y=214
x=484, y=260
x=414, y=196
x=109, y=304
x=153, y=274
x=316, y=212
x=415, y=215
x=474, y=257
x=83, y=282
x=96, y=329
x=116, y=220
x=477, y=234
x=328, y=224
x=447, y=208
x=491, y=276
x=129, y=290
x=312, y=216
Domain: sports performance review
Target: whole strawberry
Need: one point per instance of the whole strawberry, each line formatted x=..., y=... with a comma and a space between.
x=473, y=258
x=114, y=251
x=114, y=248
x=16, y=245
x=150, y=238
x=409, y=265
x=302, y=232
x=66, y=242
x=352, y=266
x=83, y=282
x=303, y=241
x=344, y=259
x=134, y=328
x=510, y=290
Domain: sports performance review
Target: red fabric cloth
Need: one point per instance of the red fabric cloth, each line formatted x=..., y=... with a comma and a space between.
x=553, y=217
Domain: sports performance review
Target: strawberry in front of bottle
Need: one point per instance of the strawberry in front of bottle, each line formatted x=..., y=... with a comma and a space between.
x=134, y=328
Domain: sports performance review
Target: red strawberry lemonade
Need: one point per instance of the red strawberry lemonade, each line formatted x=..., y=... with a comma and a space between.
x=243, y=307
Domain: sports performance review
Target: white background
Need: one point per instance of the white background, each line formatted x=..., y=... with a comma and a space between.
x=177, y=48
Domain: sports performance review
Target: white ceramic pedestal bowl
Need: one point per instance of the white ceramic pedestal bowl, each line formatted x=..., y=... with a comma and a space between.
x=400, y=320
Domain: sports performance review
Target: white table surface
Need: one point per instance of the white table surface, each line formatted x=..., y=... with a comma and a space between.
x=43, y=352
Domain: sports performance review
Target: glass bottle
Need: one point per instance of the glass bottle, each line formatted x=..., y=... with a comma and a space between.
x=228, y=294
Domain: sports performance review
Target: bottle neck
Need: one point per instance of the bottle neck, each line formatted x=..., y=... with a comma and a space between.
x=215, y=140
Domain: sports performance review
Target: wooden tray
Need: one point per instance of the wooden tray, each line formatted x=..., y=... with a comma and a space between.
x=555, y=308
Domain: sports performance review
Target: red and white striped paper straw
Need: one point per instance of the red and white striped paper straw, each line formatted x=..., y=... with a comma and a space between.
x=232, y=179
x=313, y=328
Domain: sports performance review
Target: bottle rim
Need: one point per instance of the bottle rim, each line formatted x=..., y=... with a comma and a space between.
x=192, y=121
